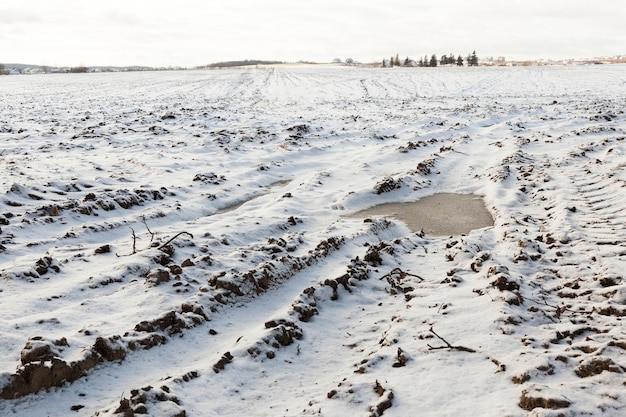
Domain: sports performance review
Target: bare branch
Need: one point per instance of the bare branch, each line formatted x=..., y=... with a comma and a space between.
x=395, y=277
x=175, y=236
x=143, y=220
x=448, y=345
x=134, y=245
x=402, y=274
x=134, y=241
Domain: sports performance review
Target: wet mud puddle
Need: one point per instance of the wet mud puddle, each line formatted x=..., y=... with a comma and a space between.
x=439, y=214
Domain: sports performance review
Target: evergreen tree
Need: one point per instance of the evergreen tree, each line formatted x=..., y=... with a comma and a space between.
x=397, y=61
x=459, y=61
x=421, y=63
x=472, y=60
x=433, y=61
x=407, y=61
x=384, y=65
x=391, y=61
x=444, y=60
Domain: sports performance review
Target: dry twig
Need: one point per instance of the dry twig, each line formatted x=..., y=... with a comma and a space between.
x=448, y=345
x=134, y=245
x=143, y=220
x=402, y=274
x=395, y=277
x=152, y=234
x=175, y=236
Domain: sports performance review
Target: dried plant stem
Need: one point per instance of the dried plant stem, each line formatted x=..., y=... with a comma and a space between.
x=448, y=345
x=143, y=220
x=175, y=236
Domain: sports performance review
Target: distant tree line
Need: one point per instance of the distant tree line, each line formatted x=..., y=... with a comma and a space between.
x=471, y=60
x=3, y=71
x=78, y=70
x=243, y=63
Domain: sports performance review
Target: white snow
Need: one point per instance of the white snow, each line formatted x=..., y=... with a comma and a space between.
x=273, y=301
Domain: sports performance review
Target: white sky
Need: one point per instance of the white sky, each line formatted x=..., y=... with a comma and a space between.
x=197, y=32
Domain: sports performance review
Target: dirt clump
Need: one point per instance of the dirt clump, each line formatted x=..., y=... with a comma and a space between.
x=110, y=349
x=157, y=276
x=103, y=249
x=38, y=349
x=224, y=360
x=44, y=374
x=536, y=398
x=387, y=184
x=596, y=366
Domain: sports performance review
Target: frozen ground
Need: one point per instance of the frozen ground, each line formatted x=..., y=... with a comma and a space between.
x=178, y=244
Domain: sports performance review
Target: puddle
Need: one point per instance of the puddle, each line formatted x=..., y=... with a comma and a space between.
x=439, y=214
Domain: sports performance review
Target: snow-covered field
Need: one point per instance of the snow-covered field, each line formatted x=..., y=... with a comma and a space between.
x=179, y=244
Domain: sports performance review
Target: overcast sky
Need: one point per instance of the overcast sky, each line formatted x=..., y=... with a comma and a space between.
x=197, y=32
